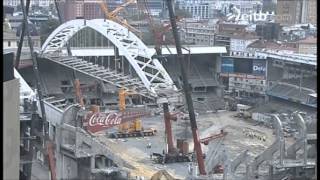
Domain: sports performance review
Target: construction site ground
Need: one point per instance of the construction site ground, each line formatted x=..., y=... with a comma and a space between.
x=136, y=153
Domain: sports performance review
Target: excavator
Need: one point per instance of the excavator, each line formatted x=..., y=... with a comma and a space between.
x=113, y=15
x=130, y=129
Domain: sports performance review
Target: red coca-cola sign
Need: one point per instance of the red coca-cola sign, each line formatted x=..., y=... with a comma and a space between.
x=95, y=122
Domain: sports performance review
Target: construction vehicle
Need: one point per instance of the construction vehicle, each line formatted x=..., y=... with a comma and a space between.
x=172, y=155
x=206, y=140
x=130, y=129
x=113, y=15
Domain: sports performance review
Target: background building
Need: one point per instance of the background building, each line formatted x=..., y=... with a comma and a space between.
x=309, y=12
x=74, y=9
x=41, y=3
x=296, y=11
x=268, y=30
x=245, y=6
x=308, y=46
x=198, y=33
x=199, y=9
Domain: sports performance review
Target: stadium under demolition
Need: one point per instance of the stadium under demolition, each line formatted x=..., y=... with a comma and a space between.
x=127, y=113
x=116, y=133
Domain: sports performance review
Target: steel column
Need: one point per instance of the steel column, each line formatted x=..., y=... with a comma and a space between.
x=186, y=89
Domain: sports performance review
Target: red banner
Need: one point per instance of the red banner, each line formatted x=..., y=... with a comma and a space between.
x=95, y=122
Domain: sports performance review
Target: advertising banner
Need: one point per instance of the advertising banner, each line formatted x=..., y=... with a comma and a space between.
x=259, y=67
x=95, y=122
x=227, y=65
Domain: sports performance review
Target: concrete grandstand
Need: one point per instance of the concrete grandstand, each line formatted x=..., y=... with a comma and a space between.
x=295, y=82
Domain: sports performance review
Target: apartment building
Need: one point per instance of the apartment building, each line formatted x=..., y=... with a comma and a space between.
x=224, y=31
x=15, y=3
x=245, y=6
x=308, y=46
x=199, y=9
x=296, y=11
x=198, y=33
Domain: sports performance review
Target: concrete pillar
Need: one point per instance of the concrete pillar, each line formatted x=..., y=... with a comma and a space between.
x=270, y=171
x=92, y=163
x=11, y=129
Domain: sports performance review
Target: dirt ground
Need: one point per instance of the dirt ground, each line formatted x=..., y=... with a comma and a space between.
x=135, y=152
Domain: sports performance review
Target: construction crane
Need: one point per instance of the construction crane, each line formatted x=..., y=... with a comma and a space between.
x=113, y=15
x=173, y=154
x=206, y=140
x=159, y=34
x=186, y=89
x=78, y=92
x=128, y=129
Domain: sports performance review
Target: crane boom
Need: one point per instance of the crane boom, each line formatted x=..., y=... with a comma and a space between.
x=186, y=89
x=122, y=6
x=78, y=92
x=113, y=15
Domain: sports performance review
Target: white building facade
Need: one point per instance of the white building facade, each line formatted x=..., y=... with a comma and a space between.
x=245, y=6
x=198, y=34
x=199, y=9
x=15, y=3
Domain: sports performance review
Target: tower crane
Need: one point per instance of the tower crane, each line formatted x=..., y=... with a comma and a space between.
x=159, y=34
x=113, y=15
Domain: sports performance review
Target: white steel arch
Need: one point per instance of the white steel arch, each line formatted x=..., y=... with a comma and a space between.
x=150, y=71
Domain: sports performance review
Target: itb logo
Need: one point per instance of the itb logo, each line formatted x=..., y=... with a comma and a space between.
x=252, y=17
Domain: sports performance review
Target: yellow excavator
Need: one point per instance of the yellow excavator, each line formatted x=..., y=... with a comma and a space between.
x=130, y=129
x=113, y=15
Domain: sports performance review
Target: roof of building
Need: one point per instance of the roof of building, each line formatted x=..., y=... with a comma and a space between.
x=309, y=40
x=245, y=35
x=264, y=44
x=9, y=35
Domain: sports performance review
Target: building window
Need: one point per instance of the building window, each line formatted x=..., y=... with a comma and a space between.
x=261, y=82
x=9, y=43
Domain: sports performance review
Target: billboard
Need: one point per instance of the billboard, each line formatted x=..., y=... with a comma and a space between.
x=95, y=122
x=259, y=67
x=227, y=65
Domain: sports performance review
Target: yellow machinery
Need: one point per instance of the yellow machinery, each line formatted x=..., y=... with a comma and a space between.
x=127, y=127
x=113, y=15
x=130, y=129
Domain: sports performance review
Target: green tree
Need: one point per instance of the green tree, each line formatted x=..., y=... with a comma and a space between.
x=47, y=28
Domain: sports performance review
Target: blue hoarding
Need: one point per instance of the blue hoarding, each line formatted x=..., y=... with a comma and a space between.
x=227, y=65
x=259, y=67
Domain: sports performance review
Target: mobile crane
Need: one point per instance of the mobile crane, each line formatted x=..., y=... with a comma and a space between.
x=130, y=129
x=186, y=89
x=173, y=154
